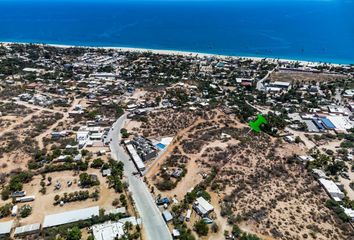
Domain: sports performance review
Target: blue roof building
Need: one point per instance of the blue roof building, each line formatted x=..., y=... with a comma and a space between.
x=327, y=123
x=318, y=124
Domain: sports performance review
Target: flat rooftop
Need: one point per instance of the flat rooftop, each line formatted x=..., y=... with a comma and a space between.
x=70, y=216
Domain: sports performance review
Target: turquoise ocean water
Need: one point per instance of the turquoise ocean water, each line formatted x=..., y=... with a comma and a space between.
x=314, y=30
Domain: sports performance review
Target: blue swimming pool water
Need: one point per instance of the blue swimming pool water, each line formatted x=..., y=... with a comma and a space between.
x=161, y=146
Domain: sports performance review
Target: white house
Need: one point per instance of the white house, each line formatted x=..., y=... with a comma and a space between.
x=202, y=207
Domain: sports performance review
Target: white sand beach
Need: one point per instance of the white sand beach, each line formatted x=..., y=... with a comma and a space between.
x=184, y=53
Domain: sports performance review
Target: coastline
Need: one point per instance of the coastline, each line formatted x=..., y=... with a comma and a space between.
x=181, y=53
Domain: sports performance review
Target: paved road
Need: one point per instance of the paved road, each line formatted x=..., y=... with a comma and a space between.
x=260, y=86
x=154, y=225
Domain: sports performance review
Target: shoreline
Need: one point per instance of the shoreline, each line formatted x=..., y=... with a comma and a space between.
x=180, y=53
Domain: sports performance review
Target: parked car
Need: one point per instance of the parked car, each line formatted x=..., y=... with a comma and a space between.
x=345, y=175
x=208, y=220
x=162, y=201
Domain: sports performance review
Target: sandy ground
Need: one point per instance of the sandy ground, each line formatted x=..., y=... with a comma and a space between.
x=154, y=167
x=238, y=170
x=18, y=122
x=132, y=125
x=14, y=160
x=43, y=204
x=192, y=177
x=304, y=77
x=47, y=133
x=7, y=121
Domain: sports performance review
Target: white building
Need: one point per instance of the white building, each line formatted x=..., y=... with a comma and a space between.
x=82, y=137
x=278, y=86
x=111, y=230
x=349, y=212
x=104, y=76
x=348, y=93
x=14, y=210
x=5, y=228
x=27, y=229
x=319, y=173
x=136, y=158
x=202, y=207
x=332, y=189
x=337, y=110
x=69, y=216
x=341, y=123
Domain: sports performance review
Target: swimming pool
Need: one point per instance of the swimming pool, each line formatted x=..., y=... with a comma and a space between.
x=161, y=146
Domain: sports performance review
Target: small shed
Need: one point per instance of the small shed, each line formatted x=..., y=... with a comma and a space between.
x=175, y=233
x=167, y=215
x=14, y=211
x=106, y=172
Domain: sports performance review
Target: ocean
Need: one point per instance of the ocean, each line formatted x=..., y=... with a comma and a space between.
x=312, y=30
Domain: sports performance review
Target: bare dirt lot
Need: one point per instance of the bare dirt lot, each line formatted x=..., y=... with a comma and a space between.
x=305, y=77
x=258, y=186
x=43, y=204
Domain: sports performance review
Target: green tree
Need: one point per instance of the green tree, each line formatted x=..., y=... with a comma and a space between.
x=97, y=163
x=25, y=211
x=236, y=231
x=74, y=234
x=201, y=228
x=247, y=236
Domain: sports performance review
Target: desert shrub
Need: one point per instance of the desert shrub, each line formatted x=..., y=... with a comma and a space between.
x=5, y=210
x=335, y=206
x=17, y=181
x=76, y=196
x=117, y=173
x=79, y=165
x=165, y=185
x=87, y=180
x=25, y=211
x=97, y=163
